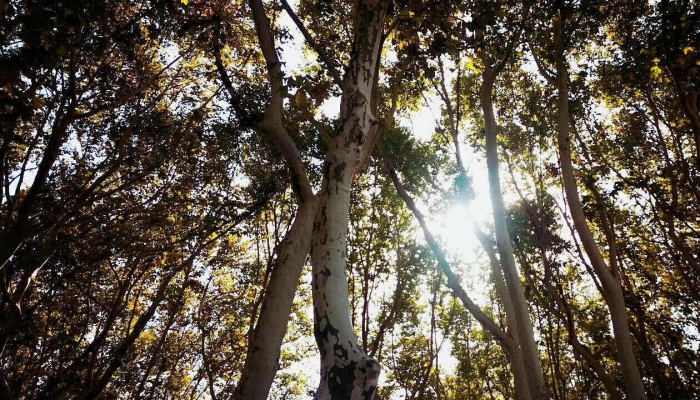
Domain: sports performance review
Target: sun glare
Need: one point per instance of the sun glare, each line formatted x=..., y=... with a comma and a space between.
x=455, y=228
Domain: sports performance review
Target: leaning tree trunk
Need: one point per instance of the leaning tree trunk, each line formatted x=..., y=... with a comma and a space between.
x=347, y=372
x=515, y=355
x=612, y=289
x=508, y=341
x=263, y=355
x=526, y=336
x=262, y=359
x=511, y=347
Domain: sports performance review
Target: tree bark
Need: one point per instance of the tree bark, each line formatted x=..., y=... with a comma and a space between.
x=517, y=365
x=560, y=307
x=262, y=359
x=513, y=352
x=508, y=342
x=347, y=372
x=526, y=336
x=263, y=355
x=609, y=279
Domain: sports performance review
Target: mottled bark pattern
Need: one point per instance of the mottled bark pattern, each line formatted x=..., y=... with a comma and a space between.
x=347, y=372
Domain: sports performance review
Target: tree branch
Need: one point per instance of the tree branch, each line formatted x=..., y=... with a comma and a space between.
x=544, y=72
x=452, y=281
x=314, y=45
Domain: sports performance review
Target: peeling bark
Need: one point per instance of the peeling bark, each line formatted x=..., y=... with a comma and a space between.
x=347, y=372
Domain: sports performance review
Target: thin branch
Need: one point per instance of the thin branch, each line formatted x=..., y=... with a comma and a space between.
x=314, y=45
x=544, y=72
x=246, y=118
x=452, y=281
x=321, y=130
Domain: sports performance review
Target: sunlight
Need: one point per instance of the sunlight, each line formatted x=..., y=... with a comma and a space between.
x=455, y=228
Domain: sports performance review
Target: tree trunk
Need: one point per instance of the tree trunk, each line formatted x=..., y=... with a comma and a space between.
x=347, y=372
x=509, y=343
x=513, y=351
x=517, y=365
x=526, y=337
x=609, y=280
x=262, y=359
x=562, y=311
x=261, y=362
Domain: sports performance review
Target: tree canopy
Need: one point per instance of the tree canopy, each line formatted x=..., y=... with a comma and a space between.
x=208, y=199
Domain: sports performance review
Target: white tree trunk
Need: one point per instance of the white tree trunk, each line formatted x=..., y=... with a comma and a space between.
x=510, y=345
x=347, y=372
x=263, y=355
x=262, y=359
x=525, y=334
x=514, y=351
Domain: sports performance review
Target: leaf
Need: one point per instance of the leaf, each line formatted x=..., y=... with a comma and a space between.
x=184, y=1
x=299, y=98
x=470, y=66
x=655, y=72
x=38, y=102
x=688, y=49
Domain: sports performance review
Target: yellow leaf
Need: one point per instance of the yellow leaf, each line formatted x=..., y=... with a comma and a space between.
x=184, y=1
x=688, y=49
x=299, y=98
x=655, y=72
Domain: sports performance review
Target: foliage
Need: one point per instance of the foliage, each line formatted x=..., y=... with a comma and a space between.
x=142, y=209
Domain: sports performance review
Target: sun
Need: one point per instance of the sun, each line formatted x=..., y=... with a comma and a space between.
x=455, y=228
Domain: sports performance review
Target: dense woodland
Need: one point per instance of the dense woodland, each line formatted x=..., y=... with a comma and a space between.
x=184, y=217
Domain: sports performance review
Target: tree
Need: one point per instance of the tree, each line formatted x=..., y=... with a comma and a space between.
x=187, y=206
